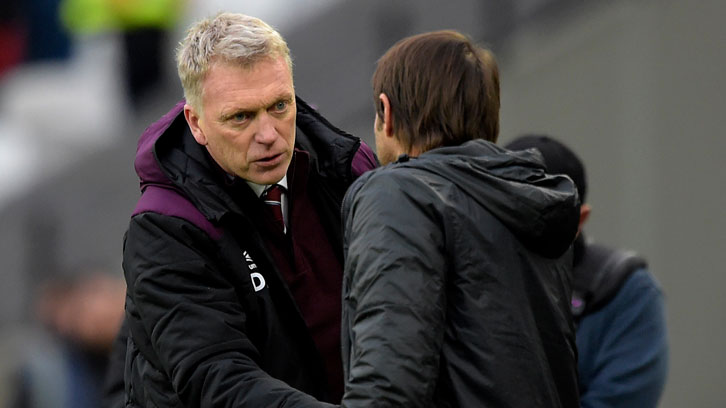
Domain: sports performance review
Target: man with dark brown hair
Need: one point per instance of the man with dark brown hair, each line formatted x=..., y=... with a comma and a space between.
x=458, y=253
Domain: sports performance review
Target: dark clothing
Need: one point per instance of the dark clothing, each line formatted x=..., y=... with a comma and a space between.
x=112, y=392
x=599, y=272
x=58, y=373
x=144, y=51
x=622, y=342
x=212, y=319
x=457, y=282
x=47, y=39
x=312, y=267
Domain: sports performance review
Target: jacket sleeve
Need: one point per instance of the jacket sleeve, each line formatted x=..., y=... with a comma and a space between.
x=193, y=321
x=623, y=348
x=394, y=296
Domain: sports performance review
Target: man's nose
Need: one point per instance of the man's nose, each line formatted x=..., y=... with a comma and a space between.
x=266, y=132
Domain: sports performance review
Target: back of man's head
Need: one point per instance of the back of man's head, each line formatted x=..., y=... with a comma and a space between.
x=443, y=90
x=227, y=37
x=558, y=158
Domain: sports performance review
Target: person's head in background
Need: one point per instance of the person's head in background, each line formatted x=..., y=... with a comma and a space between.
x=432, y=90
x=559, y=159
x=86, y=309
x=236, y=73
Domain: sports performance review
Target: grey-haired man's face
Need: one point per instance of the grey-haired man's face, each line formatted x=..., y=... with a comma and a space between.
x=248, y=120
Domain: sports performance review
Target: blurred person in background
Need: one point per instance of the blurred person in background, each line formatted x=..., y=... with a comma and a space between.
x=65, y=368
x=12, y=35
x=47, y=39
x=233, y=255
x=144, y=26
x=30, y=32
x=617, y=304
x=458, y=253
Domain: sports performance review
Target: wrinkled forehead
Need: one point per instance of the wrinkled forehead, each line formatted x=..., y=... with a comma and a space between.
x=231, y=86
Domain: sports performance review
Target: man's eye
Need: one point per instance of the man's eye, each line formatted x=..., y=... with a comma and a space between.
x=280, y=106
x=240, y=117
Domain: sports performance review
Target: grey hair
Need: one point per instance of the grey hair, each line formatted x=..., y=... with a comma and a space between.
x=229, y=37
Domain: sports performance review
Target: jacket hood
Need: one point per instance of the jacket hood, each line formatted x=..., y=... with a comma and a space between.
x=541, y=210
x=145, y=162
x=168, y=156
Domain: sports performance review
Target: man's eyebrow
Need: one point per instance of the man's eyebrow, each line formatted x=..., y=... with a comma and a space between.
x=227, y=115
x=282, y=98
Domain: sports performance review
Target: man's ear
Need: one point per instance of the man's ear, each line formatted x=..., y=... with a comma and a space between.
x=585, y=210
x=387, y=116
x=192, y=117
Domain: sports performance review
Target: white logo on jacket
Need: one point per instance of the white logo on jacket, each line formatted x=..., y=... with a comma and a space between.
x=258, y=281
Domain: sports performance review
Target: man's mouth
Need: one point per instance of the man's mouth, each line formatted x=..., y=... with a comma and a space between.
x=269, y=160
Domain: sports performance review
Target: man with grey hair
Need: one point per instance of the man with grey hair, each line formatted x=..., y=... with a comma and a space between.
x=233, y=256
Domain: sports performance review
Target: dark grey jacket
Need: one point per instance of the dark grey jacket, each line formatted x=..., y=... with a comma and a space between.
x=456, y=290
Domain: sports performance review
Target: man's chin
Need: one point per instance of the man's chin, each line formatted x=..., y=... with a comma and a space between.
x=266, y=177
x=268, y=172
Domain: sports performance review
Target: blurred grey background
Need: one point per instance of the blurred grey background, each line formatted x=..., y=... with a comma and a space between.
x=635, y=87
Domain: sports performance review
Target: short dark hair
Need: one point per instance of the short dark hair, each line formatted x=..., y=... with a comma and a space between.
x=443, y=90
x=558, y=158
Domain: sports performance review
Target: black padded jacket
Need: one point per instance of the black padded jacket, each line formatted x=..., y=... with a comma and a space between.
x=457, y=287
x=210, y=322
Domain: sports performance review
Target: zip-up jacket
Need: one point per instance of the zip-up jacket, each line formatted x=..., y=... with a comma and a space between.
x=211, y=321
x=457, y=282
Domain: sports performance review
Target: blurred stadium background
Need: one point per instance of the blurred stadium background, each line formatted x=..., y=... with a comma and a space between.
x=636, y=87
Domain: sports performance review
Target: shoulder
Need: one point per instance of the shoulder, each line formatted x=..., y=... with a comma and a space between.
x=390, y=182
x=156, y=244
x=393, y=175
x=638, y=302
x=640, y=293
x=157, y=238
x=169, y=202
x=391, y=193
x=640, y=285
